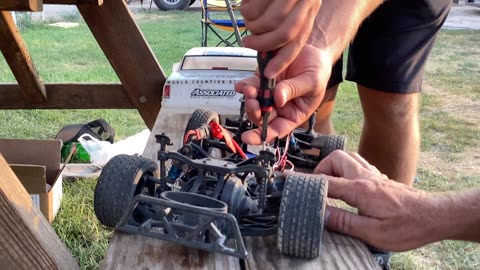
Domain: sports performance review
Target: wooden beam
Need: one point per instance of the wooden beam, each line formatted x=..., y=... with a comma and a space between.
x=73, y=2
x=21, y=5
x=18, y=58
x=69, y=96
x=129, y=54
x=27, y=241
x=337, y=252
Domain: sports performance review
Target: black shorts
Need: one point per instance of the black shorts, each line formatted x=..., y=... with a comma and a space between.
x=391, y=47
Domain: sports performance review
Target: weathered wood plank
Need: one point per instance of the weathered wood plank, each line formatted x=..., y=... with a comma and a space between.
x=337, y=252
x=139, y=252
x=129, y=54
x=21, y=5
x=27, y=241
x=69, y=96
x=73, y=2
x=18, y=58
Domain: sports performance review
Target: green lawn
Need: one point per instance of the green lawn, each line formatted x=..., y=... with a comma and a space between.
x=448, y=137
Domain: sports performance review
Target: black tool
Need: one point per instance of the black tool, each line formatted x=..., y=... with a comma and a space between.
x=265, y=95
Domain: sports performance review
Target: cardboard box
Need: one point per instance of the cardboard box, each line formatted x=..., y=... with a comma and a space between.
x=37, y=165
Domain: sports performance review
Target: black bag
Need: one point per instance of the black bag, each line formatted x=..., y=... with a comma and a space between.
x=98, y=129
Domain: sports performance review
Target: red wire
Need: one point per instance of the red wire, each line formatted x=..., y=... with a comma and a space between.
x=187, y=135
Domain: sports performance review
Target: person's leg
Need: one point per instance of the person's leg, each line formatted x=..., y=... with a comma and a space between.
x=323, y=120
x=387, y=60
x=390, y=136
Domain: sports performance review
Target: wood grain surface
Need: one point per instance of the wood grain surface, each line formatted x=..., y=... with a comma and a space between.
x=27, y=241
x=21, y=5
x=19, y=61
x=129, y=54
x=69, y=96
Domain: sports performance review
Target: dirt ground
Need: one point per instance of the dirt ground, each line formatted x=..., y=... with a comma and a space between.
x=468, y=163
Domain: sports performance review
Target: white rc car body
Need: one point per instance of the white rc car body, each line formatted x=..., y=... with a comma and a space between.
x=206, y=78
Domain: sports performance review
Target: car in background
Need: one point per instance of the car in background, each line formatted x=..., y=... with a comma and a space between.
x=206, y=77
x=472, y=3
x=173, y=4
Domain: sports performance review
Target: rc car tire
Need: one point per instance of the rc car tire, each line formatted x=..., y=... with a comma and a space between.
x=333, y=142
x=172, y=4
x=301, y=215
x=121, y=179
x=200, y=117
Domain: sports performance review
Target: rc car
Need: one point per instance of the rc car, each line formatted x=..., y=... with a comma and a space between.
x=215, y=190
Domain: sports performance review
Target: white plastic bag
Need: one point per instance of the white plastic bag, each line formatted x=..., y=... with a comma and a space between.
x=102, y=151
x=132, y=145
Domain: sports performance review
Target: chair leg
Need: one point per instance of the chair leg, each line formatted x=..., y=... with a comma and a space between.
x=204, y=34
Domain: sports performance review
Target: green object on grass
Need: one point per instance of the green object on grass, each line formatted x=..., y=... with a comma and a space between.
x=79, y=155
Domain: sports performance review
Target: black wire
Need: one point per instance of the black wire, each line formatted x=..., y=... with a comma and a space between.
x=196, y=146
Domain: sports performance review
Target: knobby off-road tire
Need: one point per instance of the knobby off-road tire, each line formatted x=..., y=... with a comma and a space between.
x=120, y=180
x=301, y=217
x=172, y=4
x=334, y=142
x=200, y=117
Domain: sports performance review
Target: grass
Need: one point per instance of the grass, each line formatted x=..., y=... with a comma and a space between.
x=77, y=225
x=72, y=55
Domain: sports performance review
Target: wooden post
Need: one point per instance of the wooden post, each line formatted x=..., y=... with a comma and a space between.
x=21, y=5
x=27, y=241
x=129, y=54
x=18, y=58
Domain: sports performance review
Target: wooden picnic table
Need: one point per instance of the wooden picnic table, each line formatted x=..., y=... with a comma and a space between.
x=127, y=251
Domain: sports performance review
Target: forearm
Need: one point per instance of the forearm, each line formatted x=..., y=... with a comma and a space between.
x=337, y=23
x=459, y=215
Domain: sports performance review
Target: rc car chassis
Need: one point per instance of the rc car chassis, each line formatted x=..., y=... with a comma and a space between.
x=209, y=202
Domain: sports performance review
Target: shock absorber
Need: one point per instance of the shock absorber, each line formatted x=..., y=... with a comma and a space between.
x=177, y=166
x=163, y=140
x=293, y=147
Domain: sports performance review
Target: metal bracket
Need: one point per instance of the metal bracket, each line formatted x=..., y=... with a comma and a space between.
x=186, y=224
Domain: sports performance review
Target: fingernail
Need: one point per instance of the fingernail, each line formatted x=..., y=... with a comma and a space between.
x=326, y=216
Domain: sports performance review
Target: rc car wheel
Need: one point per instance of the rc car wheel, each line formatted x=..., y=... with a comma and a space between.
x=172, y=4
x=301, y=216
x=333, y=142
x=200, y=117
x=121, y=179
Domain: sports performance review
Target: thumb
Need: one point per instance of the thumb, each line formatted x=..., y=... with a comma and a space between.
x=348, y=223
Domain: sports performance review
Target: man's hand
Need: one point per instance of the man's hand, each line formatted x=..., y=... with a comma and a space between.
x=279, y=24
x=298, y=93
x=391, y=216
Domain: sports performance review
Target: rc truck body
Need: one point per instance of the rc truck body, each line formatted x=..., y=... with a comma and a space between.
x=205, y=78
x=210, y=202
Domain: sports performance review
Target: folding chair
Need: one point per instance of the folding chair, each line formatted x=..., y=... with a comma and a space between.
x=228, y=30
